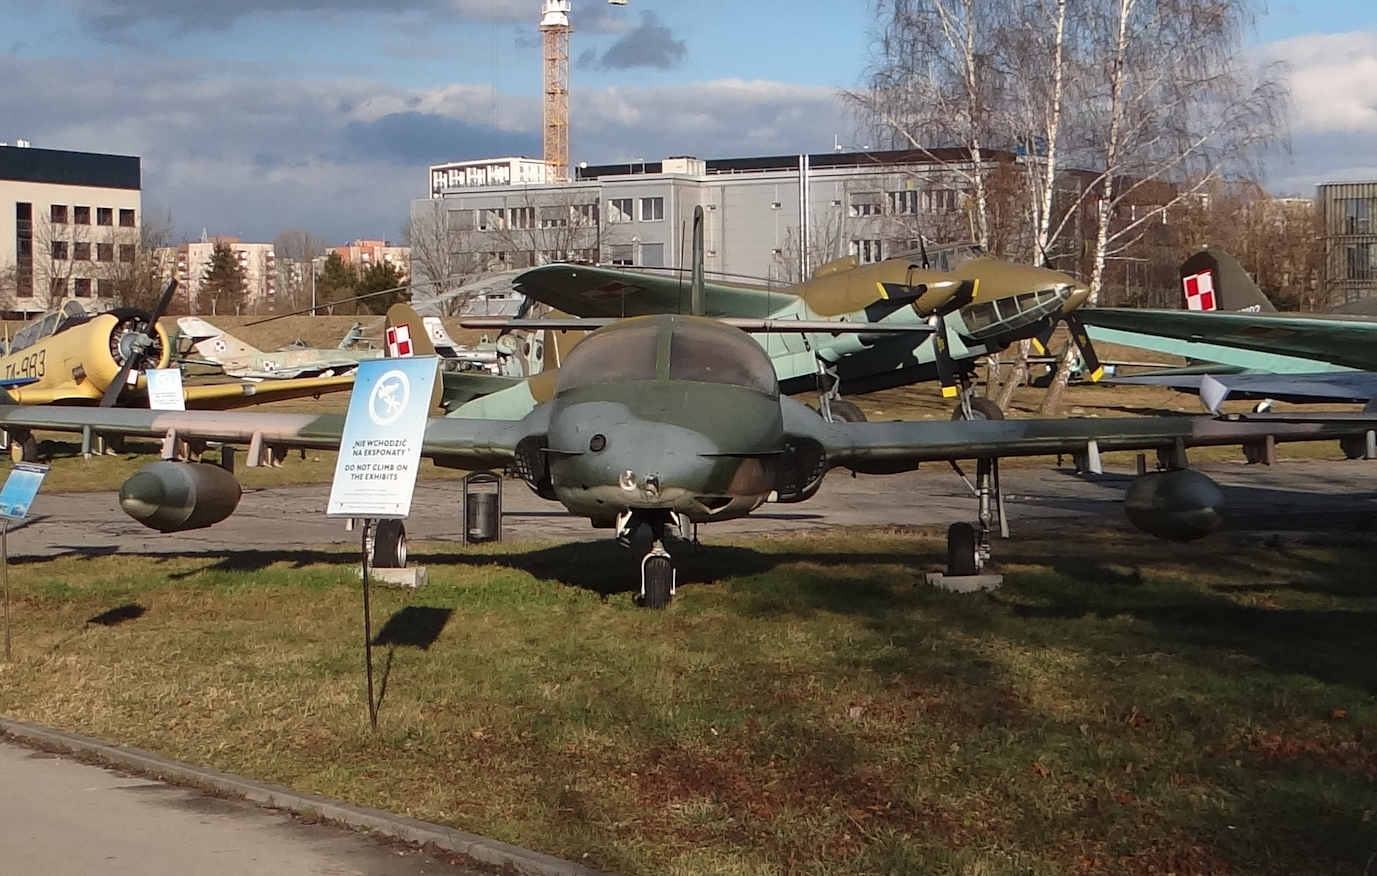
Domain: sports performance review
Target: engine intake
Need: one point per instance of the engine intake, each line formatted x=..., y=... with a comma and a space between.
x=177, y=496
x=1180, y=505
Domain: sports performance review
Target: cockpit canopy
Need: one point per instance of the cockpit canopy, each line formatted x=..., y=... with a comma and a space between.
x=50, y=324
x=669, y=347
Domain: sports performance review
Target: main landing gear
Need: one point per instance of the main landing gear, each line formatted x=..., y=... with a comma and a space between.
x=968, y=545
x=658, y=576
x=831, y=405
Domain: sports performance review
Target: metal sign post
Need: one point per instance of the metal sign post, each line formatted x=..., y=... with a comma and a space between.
x=368, y=629
x=16, y=497
x=379, y=455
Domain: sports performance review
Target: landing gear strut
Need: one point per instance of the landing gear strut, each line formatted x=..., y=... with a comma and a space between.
x=968, y=545
x=658, y=577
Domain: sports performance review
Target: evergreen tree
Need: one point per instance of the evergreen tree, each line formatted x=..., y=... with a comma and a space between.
x=223, y=286
x=382, y=277
x=336, y=283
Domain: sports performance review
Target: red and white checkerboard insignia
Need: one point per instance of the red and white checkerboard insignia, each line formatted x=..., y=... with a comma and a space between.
x=219, y=345
x=269, y=365
x=399, y=340
x=1199, y=290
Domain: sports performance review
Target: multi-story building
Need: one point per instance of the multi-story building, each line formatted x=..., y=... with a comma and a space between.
x=1349, y=227
x=773, y=219
x=363, y=254
x=256, y=261
x=69, y=227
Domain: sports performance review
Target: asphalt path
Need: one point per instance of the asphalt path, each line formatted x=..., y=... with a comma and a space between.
x=60, y=817
x=1296, y=494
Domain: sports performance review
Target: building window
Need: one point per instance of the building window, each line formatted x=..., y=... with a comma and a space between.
x=23, y=246
x=586, y=214
x=81, y=251
x=59, y=249
x=105, y=252
x=521, y=217
x=57, y=288
x=1356, y=217
x=126, y=218
x=652, y=209
x=105, y=216
x=865, y=204
x=127, y=253
x=619, y=210
x=622, y=254
x=903, y=203
x=866, y=251
x=81, y=215
x=941, y=200
x=58, y=214
x=82, y=288
x=554, y=217
x=1360, y=261
x=653, y=255
x=105, y=288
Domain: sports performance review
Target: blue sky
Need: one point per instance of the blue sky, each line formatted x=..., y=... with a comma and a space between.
x=257, y=115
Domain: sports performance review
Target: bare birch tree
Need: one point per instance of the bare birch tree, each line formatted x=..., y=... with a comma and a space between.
x=936, y=83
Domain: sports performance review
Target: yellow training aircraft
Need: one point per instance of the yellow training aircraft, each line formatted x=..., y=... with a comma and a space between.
x=76, y=358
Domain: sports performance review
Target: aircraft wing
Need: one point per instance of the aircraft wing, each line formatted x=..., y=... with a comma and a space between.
x=582, y=290
x=1249, y=340
x=224, y=396
x=1350, y=386
x=891, y=447
x=453, y=442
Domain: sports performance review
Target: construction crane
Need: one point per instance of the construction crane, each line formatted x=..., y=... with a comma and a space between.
x=554, y=25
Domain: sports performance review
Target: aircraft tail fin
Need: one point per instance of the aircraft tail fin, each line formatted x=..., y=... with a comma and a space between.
x=211, y=343
x=439, y=336
x=352, y=337
x=405, y=333
x=1214, y=280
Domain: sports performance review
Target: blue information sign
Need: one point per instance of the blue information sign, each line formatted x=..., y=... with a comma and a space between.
x=17, y=496
x=383, y=431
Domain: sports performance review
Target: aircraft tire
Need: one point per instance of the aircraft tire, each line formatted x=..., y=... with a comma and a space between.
x=961, y=549
x=389, y=545
x=981, y=409
x=1353, y=448
x=846, y=412
x=24, y=451
x=658, y=575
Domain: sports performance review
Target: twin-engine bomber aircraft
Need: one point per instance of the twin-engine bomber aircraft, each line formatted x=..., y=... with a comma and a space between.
x=973, y=306
x=661, y=420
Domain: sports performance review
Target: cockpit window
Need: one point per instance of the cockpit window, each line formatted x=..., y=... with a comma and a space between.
x=626, y=353
x=712, y=353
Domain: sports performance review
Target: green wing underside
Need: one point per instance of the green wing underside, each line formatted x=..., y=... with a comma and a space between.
x=454, y=442
x=579, y=290
x=1344, y=342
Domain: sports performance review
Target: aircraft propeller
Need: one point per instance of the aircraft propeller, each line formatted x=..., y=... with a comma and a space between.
x=1079, y=337
x=139, y=343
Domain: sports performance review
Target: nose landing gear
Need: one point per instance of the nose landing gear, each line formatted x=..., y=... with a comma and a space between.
x=658, y=576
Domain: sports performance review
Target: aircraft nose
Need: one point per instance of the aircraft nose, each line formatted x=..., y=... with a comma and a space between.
x=1075, y=297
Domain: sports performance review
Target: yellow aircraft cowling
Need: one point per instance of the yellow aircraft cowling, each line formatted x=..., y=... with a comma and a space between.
x=103, y=353
x=837, y=288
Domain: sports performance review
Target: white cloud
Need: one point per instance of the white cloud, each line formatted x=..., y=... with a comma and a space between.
x=239, y=149
x=1333, y=81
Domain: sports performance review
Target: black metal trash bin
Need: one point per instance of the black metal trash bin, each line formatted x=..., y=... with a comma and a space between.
x=482, y=507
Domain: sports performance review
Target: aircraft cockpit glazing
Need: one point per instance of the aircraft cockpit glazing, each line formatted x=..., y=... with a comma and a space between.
x=651, y=348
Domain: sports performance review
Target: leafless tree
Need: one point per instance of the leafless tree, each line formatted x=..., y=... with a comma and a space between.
x=442, y=253
x=936, y=83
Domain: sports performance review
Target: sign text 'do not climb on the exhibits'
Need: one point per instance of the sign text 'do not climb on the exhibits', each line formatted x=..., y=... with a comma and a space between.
x=380, y=450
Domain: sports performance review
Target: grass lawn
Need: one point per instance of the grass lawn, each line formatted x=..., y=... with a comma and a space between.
x=1122, y=705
